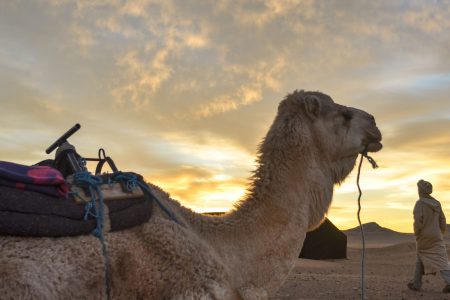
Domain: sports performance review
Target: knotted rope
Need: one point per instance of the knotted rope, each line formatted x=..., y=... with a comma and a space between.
x=94, y=208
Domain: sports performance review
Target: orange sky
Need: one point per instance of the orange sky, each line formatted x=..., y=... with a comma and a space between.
x=183, y=91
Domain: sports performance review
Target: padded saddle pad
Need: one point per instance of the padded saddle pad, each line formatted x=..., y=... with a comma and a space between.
x=27, y=213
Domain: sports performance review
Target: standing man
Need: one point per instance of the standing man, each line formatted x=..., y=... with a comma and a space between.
x=429, y=227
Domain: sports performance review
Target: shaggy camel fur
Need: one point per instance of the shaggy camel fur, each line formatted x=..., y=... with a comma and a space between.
x=245, y=254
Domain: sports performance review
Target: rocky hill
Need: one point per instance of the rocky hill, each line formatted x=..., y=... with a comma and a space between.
x=371, y=227
x=376, y=236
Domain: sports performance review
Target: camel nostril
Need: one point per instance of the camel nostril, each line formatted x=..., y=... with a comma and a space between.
x=372, y=120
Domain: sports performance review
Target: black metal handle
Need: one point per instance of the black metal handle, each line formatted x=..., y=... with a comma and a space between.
x=63, y=138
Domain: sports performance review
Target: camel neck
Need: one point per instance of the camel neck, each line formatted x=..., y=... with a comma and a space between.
x=270, y=224
x=288, y=189
x=288, y=178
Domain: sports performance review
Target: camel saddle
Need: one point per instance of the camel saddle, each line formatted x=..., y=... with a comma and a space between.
x=34, y=213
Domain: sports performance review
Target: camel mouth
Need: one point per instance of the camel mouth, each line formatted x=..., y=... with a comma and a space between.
x=374, y=146
x=372, y=142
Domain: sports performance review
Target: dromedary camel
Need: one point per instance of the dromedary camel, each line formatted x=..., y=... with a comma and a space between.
x=245, y=254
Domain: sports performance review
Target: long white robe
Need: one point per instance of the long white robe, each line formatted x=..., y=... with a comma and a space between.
x=429, y=227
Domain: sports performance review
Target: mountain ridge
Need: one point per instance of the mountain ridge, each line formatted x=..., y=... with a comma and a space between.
x=372, y=227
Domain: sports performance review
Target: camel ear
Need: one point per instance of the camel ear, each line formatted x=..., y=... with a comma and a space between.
x=312, y=106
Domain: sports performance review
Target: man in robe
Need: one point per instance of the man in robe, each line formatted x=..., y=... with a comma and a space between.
x=429, y=228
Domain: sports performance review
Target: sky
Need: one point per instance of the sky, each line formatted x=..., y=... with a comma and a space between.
x=183, y=91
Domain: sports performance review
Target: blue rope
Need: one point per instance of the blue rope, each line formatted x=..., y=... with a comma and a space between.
x=131, y=181
x=87, y=180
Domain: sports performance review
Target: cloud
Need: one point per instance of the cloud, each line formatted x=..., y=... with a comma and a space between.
x=224, y=103
x=430, y=137
x=430, y=19
x=263, y=76
x=83, y=38
x=196, y=41
x=260, y=13
x=27, y=119
x=141, y=79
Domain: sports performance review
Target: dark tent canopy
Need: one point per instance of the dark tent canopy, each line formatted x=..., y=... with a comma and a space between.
x=325, y=242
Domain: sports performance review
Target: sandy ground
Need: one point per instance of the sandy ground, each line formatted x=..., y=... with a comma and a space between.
x=387, y=271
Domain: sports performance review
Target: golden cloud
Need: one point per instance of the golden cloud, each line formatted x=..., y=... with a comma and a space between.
x=196, y=40
x=242, y=97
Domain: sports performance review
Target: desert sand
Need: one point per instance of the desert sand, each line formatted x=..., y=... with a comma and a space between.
x=389, y=266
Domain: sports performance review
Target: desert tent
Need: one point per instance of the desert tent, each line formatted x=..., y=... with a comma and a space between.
x=325, y=242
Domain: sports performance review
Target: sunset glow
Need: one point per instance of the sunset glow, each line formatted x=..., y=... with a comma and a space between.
x=183, y=91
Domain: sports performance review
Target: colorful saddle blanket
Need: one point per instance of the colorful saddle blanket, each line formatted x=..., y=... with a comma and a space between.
x=42, y=179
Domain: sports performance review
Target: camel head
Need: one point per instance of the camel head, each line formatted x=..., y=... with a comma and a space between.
x=319, y=129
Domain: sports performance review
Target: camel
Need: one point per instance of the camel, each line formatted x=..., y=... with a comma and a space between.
x=247, y=253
